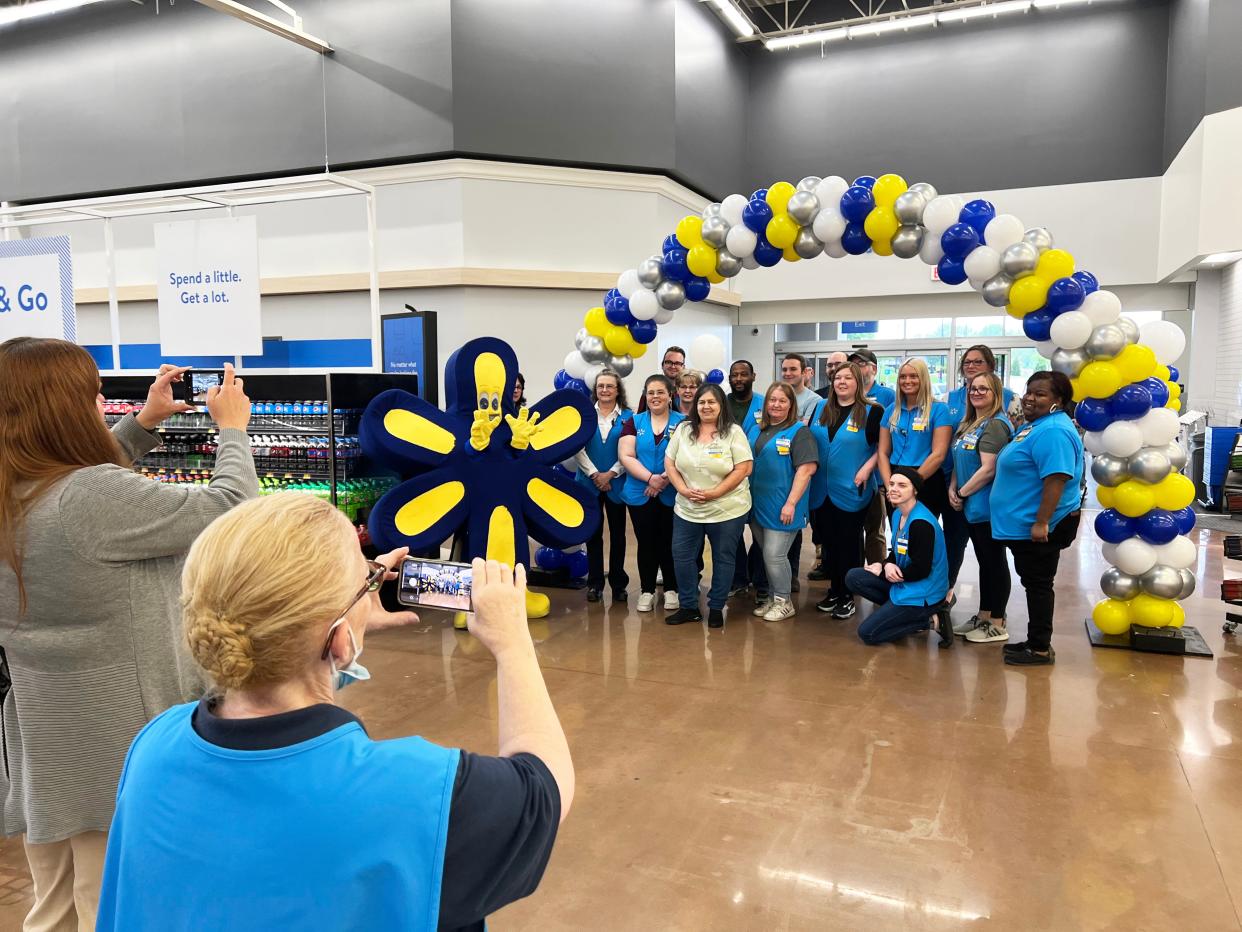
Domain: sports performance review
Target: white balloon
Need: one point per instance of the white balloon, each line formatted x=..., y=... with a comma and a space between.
x=1071, y=330
x=627, y=281
x=663, y=316
x=750, y=262
x=1046, y=348
x=828, y=225
x=731, y=209
x=829, y=191
x=644, y=304
x=1122, y=438
x=592, y=373
x=1159, y=427
x=707, y=352
x=1166, y=339
x=1109, y=553
x=942, y=213
x=1093, y=440
x=1178, y=553
x=741, y=241
x=1003, y=231
x=1135, y=556
x=575, y=365
x=835, y=249
x=982, y=263
x=1103, y=307
x=931, y=252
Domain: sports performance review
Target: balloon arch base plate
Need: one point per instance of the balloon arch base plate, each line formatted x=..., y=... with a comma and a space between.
x=1185, y=640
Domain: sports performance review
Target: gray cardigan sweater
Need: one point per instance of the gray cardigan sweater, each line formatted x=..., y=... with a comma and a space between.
x=100, y=650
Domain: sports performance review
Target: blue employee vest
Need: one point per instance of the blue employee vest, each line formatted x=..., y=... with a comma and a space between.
x=930, y=589
x=839, y=461
x=912, y=437
x=603, y=453
x=651, y=455
x=966, y=461
x=1041, y=448
x=750, y=423
x=958, y=405
x=335, y=832
x=772, y=481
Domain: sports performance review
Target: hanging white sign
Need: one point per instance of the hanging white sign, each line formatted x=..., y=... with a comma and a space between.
x=36, y=289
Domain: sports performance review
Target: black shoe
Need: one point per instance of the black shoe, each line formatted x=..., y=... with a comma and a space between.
x=1028, y=658
x=739, y=590
x=620, y=595
x=594, y=595
x=761, y=596
x=827, y=604
x=793, y=586
x=819, y=574
x=845, y=608
x=944, y=628
x=715, y=618
x=683, y=615
x=1016, y=647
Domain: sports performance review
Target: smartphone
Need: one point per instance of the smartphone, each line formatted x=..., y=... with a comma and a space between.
x=196, y=382
x=440, y=584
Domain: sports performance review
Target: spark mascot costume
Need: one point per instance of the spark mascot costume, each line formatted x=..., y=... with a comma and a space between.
x=481, y=469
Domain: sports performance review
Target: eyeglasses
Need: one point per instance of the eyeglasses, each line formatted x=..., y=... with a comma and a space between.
x=674, y=363
x=375, y=579
x=974, y=362
x=981, y=391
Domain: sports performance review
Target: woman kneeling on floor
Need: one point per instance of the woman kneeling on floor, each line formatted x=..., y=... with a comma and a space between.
x=909, y=585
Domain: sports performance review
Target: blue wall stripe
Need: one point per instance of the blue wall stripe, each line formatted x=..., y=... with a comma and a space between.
x=101, y=353
x=277, y=354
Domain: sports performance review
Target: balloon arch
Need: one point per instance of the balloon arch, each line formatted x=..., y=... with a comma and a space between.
x=1123, y=382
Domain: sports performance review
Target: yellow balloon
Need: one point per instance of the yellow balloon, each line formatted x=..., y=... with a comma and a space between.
x=887, y=189
x=596, y=322
x=1054, y=264
x=1151, y=612
x=638, y=350
x=1179, y=616
x=702, y=260
x=1112, y=616
x=1026, y=295
x=1105, y=496
x=714, y=277
x=790, y=255
x=1099, y=380
x=882, y=247
x=1174, y=492
x=1175, y=391
x=782, y=230
x=618, y=340
x=1133, y=498
x=881, y=224
x=690, y=231
x=1079, y=393
x=778, y=197
x=1163, y=373
x=1016, y=314
x=1136, y=362
x=1173, y=404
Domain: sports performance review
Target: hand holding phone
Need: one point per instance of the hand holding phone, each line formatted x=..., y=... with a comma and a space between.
x=439, y=584
x=227, y=401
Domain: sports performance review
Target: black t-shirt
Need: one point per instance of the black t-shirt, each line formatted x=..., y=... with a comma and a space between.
x=875, y=416
x=502, y=820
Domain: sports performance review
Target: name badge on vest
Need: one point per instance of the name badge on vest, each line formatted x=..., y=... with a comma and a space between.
x=919, y=425
x=782, y=446
x=903, y=544
x=715, y=451
x=851, y=427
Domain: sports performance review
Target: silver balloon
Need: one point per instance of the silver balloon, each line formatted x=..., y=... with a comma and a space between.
x=593, y=349
x=1019, y=260
x=1177, y=456
x=1130, y=328
x=909, y=208
x=1149, y=465
x=727, y=264
x=1105, y=342
x=907, y=241
x=1069, y=361
x=714, y=231
x=1163, y=582
x=803, y=207
x=809, y=183
x=671, y=295
x=712, y=210
x=806, y=245
x=622, y=365
x=1188, y=584
x=996, y=290
x=649, y=273
x=1119, y=585
x=922, y=187
x=580, y=336
x=1038, y=237
x=1109, y=470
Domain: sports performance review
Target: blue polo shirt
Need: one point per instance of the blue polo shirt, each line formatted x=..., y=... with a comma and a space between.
x=912, y=437
x=1042, y=448
x=882, y=395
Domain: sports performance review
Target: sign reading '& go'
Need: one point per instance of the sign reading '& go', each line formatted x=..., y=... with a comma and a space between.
x=36, y=289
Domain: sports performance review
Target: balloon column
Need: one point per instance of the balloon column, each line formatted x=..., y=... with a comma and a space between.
x=1127, y=391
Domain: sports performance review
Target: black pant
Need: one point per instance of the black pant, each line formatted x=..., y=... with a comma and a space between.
x=617, y=576
x=956, y=534
x=653, y=526
x=876, y=548
x=994, y=581
x=813, y=520
x=1036, y=563
x=842, y=536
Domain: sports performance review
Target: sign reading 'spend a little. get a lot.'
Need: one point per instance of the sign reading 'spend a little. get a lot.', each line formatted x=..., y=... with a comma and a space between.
x=36, y=289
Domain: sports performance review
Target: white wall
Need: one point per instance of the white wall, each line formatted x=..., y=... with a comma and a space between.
x=1226, y=400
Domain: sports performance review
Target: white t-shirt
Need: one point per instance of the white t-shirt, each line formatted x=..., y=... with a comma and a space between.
x=704, y=466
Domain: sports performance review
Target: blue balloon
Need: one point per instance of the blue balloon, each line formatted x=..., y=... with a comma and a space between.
x=673, y=265
x=977, y=214
x=549, y=558
x=759, y=195
x=643, y=331
x=958, y=241
x=697, y=289
x=856, y=203
x=1088, y=281
x=855, y=240
x=578, y=385
x=670, y=242
x=716, y=376
x=577, y=563
x=1159, y=391
x=952, y=270
x=1174, y=375
x=864, y=181
x=756, y=215
x=766, y=254
x=1094, y=413
x=1130, y=402
x=1157, y=526
x=1185, y=519
x=1065, y=294
x=1114, y=527
x=1037, y=325
x=619, y=315
x=561, y=379
x=612, y=293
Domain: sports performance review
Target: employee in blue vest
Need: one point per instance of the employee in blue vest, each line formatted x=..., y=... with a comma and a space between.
x=268, y=806
x=747, y=409
x=846, y=428
x=908, y=587
x=785, y=460
x=647, y=492
x=599, y=466
x=977, y=360
x=979, y=439
x=1035, y=502
x=916, y=432
x=874, y=545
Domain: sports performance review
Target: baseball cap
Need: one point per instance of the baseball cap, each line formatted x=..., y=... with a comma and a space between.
x=865, y=355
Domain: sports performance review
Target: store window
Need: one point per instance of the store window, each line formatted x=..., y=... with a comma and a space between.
x=973, y=328
x=928, y=328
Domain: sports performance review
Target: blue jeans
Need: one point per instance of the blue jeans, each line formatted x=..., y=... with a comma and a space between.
x=775, y=546
x=888, y=622
x=724, y=537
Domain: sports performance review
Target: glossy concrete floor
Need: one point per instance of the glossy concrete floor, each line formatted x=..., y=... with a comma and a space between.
x=787, y=777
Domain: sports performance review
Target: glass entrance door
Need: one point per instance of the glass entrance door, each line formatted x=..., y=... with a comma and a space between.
x=937, y=364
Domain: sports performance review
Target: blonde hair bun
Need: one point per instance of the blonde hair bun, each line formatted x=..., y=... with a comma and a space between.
x=222, y=648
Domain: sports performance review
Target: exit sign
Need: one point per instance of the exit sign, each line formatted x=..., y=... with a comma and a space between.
x=860, y=326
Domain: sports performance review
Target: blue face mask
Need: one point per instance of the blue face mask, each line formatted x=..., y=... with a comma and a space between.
x=353, y=670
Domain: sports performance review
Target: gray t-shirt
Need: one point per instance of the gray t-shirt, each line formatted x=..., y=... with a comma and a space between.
x=995, y=436
x=807, y=400
x=802, y=448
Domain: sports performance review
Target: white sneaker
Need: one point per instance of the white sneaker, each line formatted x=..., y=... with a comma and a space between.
x=987, y=632
x=762, y=608
x=646, y=602
x=780, y=610
x=671, y=602
x=967, y=626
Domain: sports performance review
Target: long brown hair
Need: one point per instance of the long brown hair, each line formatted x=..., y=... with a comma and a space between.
x=623, y=403
x=791, y=418
x=972, y=415
x=833, y=412
x=49, y=426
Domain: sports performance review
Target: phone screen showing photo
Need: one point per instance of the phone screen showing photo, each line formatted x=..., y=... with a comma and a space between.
x=435, y=584
x=200, y=382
